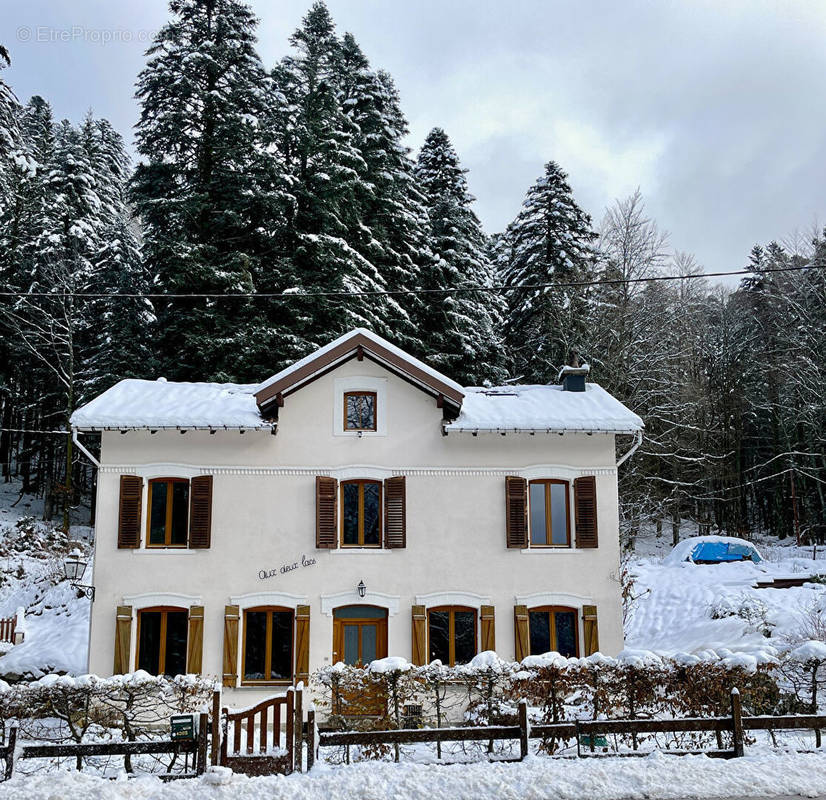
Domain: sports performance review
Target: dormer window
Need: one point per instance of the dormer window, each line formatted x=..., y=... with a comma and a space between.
x=360, y=411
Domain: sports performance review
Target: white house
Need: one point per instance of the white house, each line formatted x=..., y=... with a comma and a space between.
x=355, y=505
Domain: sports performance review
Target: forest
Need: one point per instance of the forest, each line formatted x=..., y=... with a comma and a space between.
x=271, y=208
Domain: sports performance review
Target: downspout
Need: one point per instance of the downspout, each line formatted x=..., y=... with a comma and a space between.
x=637, y=443
x=83, y=449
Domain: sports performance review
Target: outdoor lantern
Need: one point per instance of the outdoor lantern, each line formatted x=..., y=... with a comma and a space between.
x=74, y=566
x=362, y=589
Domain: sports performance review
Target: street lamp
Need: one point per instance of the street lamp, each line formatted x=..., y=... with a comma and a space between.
x=74, y=567
x=361, y=589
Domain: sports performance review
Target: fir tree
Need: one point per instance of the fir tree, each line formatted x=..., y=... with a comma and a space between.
x=550, y=241
x=460, y=331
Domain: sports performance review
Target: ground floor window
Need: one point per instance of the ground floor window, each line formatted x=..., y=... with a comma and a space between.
x=267, y=645
x=162, y=634
x=451, y=634
x=554, y=629
x=359, y=634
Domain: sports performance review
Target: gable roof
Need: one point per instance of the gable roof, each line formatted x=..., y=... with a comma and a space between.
x=358, y=343
x=543, y=409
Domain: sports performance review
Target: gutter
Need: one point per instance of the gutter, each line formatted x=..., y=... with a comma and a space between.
x=637, y=443
x=83, y=449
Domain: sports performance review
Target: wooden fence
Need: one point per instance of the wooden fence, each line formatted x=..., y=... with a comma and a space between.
x=11, y=628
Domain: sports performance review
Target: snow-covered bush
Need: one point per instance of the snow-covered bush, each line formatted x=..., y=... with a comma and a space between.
x=746, y=607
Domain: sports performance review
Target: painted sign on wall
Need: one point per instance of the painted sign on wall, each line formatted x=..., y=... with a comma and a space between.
x=266, y=574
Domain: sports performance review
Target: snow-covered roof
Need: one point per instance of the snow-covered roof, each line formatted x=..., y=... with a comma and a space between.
x=133, y=403
x=543, y=408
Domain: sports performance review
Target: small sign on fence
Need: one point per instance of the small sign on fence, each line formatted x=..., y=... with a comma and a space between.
x=182, y=727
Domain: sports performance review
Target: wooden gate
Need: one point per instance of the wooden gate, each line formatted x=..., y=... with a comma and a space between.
x=261, y=739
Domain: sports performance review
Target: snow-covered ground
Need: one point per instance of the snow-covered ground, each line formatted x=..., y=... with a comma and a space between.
x=693, y=608
x=654, y=777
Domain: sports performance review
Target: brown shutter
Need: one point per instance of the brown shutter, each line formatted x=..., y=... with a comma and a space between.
x=129, y=515
x=419, y=643
x=326, y=529
x=231, y=615
x=488, y=628
x=302, y=644
x=516, y=511
x=589, y=618
x=123, y=639
x=200, y=511
x=585, y=503
x=395, y=513
x=521, y=634
x=195, y=640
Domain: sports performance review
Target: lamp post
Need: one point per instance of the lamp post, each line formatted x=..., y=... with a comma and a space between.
x=74, y=567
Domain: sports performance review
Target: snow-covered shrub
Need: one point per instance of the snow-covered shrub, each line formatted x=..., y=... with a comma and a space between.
x=746, y=607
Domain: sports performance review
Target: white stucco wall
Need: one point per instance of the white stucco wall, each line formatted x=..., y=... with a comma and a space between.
x=264, y=516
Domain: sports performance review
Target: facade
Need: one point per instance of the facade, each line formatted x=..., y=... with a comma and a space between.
x=356, y=505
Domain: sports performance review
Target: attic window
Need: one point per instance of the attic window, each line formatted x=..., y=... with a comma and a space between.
x=360, y=411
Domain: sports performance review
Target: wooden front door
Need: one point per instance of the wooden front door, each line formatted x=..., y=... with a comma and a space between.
x=359, y=637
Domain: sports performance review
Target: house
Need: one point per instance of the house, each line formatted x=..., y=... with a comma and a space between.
x=354, y=505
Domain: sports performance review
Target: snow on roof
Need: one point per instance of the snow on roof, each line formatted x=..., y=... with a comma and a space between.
x=133, y=403
x=397, y=351
x=543, y=408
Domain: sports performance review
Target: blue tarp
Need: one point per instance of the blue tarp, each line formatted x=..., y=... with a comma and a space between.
x=717, y=552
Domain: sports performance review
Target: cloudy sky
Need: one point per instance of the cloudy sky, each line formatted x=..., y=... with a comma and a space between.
x=715, y=109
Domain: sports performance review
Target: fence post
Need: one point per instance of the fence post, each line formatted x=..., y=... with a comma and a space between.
x=11, y=745
x=310, y=737
x=216, y=727
x=201, y=754
x=524, y=729
x=737, y=723
x=298, y=727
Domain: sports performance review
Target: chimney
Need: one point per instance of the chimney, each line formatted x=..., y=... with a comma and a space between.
x=573, y=378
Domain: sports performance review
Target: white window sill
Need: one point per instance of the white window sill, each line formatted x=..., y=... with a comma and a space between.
x=543, y=551
x=165, y=551
x=354, y=551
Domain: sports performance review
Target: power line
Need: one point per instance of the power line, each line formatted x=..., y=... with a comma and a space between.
x=290, y=295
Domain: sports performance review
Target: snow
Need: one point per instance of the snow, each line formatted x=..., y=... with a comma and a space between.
x=543, y=408
x=809, y=651
x=760, y=773
x=372, y=337
x=134, y=403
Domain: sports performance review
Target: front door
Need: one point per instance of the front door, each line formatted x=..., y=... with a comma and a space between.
x=359, y=637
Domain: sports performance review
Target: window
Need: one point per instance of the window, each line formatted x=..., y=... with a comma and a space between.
x=168, y=517
x=359, y=634
x=268, y=646
x=451, y=634
x=361, y=513
x=162, y=634
x=360, y=411
x=553, y=629
x=550, y=517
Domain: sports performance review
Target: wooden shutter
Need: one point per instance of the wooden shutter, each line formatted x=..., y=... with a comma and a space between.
x=302, y=644
x=589, y=618
x=395, y=513
x=231, y=615
x=326, y=528
x=419, y=643
x=585, y=503
x=129, y=515
x=200, y=511
x=486, y=614
x=123, y=639
x=195, y=640
x=516, y=512
x=521, y=633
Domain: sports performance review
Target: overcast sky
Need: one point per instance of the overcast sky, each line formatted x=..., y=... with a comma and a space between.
x=716, y=110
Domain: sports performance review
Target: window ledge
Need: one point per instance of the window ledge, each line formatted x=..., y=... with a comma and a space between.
x=556, y=550
x=165, y=551
x=350, y=551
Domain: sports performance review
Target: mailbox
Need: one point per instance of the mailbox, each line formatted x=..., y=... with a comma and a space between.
x=183, y=727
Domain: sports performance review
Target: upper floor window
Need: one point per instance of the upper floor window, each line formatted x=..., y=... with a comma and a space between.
x=553, y=629
x=267, y=645
x=361, y=513
x=162, y=635
x=168, y=518
x=360, y=411
x=451, y=634
x=550, y=518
